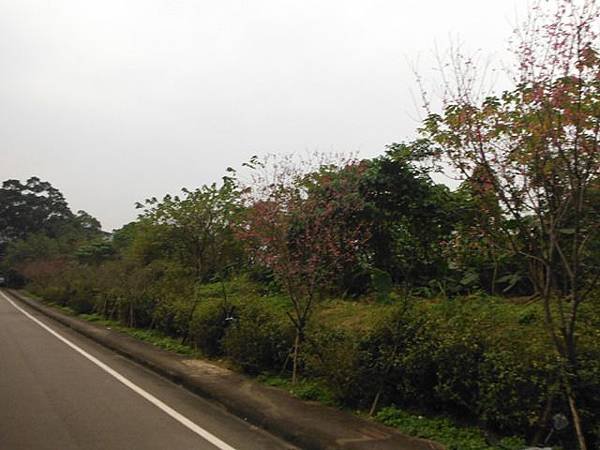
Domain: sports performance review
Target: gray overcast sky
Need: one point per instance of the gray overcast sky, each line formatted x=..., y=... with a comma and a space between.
x=116, y=101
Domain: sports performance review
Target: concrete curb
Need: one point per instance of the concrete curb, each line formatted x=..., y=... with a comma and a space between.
x=309, y=425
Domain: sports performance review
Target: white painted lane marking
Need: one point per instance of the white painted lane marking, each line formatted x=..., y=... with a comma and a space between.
x=152, y=399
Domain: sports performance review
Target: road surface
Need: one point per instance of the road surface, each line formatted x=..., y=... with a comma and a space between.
x=61, y=391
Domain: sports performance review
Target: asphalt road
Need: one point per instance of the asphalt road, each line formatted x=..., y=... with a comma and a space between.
x=59, y=395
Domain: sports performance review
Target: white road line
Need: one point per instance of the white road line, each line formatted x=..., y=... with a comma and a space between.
x=152, y=399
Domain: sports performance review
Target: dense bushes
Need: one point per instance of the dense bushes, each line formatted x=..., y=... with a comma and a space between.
x=258, y=339
x=443, y=430
x=483, y=365
x=476, y=358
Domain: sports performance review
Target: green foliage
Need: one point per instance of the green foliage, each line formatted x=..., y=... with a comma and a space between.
x=196, y=229
x=332, y=357
x=31, y=207
x=151, y=336
x=259, y=338
x=530, y=157
x=95, y=252
x=473, y=357
x=313, y=391
x=177, y=277
x=160, y=340
x=38, y=231
x=305, y=389
x=401, y=198
x=208, y=325
x=443, y=430
x=34, y=247
x=382, y=283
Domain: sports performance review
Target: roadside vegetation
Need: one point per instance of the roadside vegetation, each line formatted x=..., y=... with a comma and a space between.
x=470, y=316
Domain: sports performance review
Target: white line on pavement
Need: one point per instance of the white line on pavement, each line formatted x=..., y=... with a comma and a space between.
x=156, y=402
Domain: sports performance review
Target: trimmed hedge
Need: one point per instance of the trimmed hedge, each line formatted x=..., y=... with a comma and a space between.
x=480, y=359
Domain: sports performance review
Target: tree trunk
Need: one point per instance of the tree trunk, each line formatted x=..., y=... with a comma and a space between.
x=131, y=321
x=494, y=277
x=189, y=322
x=375, y=402
x=388, y=368
x=287, y=360
x=576, y=419
x=543, y=422
x=297, y=343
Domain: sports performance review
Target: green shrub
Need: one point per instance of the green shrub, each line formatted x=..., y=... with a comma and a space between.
x=334, y=357
x=513, y=389
x=313, y=390
x=169, y=314
x=588, y=390
x=208, y=325
x=482, y=359
x=443, y=430
x=391, y=360
x=457, y=359
x=55, y=294
x=259, y=339
x=306, y=389
x=395, y=358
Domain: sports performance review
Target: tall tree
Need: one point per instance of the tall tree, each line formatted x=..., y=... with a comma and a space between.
x=537, y=145
x=197, y=227
x=31, y=207
x=37, y=224
x=302, y=226
x=410, y=214
x=197, y=231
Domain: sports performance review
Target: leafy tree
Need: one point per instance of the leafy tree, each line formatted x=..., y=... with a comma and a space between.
x=31, y=207
x=478, y=248
x=36, y=224
x=537, y=146
x=297, y=225
x=197, y=228
x=35, y=246
x=95, y=252
x=410, y=215
x=87, y=225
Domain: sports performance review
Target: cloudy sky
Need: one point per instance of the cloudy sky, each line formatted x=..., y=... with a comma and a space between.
x=115, y=101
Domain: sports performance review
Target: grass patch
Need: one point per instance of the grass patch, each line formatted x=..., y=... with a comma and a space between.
x=62, y=308
x=153, y=337
x=444, y=431
x=350, y=315
x=160, y=340
x=305, y=389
